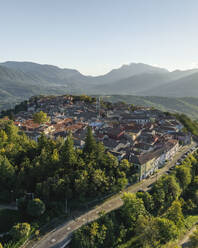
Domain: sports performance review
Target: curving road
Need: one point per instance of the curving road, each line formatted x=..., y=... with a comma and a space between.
x=61, y=234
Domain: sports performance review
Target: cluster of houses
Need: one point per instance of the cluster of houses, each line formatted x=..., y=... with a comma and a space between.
x=146, y=137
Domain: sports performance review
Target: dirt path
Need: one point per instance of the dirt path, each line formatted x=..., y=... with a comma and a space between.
x=184, y=243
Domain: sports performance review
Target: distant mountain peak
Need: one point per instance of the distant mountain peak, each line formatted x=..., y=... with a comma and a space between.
x=129, y=70
x=24, y=79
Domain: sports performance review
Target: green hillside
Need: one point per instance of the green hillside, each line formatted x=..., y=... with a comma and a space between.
x=186, y=105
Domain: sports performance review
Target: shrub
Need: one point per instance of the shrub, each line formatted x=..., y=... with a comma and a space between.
x=19, y=231
x=35, y=207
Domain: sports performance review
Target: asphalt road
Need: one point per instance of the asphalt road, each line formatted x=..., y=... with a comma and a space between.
x=8, y=206
x=58, y=237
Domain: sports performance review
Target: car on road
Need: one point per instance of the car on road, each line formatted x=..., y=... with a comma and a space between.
x=141, y=190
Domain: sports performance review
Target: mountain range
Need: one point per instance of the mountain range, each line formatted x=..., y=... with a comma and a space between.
x=20, y=80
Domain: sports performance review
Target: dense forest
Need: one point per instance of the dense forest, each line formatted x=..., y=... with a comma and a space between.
x=43, y=175
x=148, y=219
x=54, y=169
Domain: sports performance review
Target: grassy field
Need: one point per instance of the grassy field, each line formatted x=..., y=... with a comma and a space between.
x=8, y=218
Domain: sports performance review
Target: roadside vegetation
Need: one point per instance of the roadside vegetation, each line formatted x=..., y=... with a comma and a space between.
x=194, y=239
x=157, y=218
x=190, y=125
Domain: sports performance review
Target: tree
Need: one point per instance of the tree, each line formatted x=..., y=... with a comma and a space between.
x=3, y=136
x=111, y=162
x=146, y=229
x=196, y=197
x=125, y=165
x=133, y=207
x=194, y=239
x=171, y=188
x=93, y=230
x=11, y=130
x=167, y=230
x=90, y=142
x=43, y=142
x=99, y=181
x=100, y=154
x=147, y=199
x=6, y=172
x=55, y=156
x=183, y=173
x=189, y=206
x=159, y=195
x=81, y=183
x=154, y=232
x=165, y=191
x=40, y=117
x=121, y=181
x=97, y=234
x=175, y=214
x=22, y=205
x=68, y=153
x=19, y=231
x=35, y=207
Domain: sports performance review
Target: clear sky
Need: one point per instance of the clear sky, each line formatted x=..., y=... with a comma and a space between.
x=95, y=36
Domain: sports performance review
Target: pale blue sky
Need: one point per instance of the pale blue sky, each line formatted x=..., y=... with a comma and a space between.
x=95, y=36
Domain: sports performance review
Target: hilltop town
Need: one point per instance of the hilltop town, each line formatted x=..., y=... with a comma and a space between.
x=146, y=137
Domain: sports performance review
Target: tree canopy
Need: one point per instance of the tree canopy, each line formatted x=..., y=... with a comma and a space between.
x=40, y=117
x=194, y=239
x=35, y=207
x=19, y=231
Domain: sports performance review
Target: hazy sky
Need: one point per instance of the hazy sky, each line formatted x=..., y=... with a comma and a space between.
x=95, y=36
